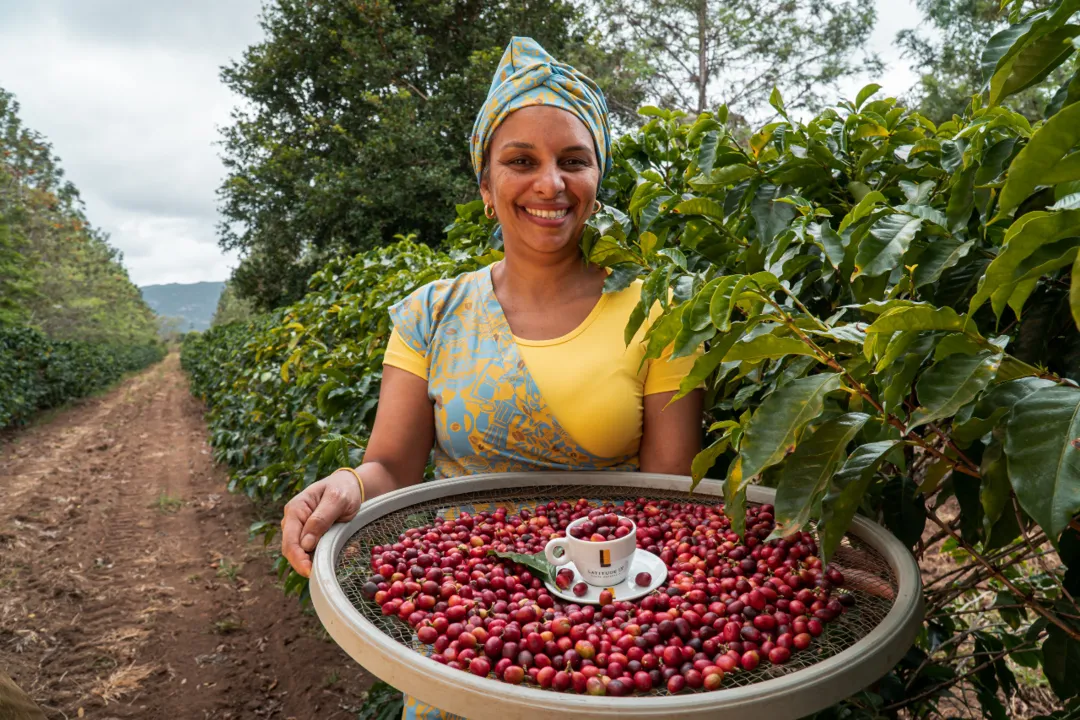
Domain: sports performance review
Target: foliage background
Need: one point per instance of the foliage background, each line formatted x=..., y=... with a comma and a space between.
x=888, y=308
x=71, y=321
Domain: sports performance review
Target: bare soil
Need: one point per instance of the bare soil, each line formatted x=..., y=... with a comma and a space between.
x=129, y=587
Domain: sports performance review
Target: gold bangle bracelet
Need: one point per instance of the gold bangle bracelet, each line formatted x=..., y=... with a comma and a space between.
x=359, y=480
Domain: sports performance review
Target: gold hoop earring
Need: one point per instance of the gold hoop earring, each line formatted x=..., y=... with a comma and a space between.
x=597, y=206
x=489, y=215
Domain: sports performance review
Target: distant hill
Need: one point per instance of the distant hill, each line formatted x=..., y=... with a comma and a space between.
x=194, y=302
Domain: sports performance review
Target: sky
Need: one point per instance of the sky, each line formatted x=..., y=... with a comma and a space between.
x=128, y=93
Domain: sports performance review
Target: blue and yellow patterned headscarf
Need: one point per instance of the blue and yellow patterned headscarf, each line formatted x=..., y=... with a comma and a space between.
x=527, y=76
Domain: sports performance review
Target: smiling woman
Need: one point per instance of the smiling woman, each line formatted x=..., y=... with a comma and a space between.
x=521, y=366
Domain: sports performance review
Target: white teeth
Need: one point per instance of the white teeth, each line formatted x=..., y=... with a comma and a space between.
x=549, y=214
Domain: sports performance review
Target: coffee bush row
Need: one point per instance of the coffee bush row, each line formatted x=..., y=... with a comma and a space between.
x=37, y=373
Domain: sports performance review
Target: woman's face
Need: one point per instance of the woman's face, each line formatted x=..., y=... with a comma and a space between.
x=541, y=177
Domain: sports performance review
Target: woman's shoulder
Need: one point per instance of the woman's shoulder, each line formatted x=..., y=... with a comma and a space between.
x=416, y=316
x=431, y=296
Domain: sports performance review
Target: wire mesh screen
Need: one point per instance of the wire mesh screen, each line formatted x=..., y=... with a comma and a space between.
x=867, y=575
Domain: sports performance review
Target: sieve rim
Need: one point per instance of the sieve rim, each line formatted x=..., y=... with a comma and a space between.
x=792, y=695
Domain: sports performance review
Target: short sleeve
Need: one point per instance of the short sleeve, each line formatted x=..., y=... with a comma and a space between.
x=400, y=355
x=412, y=319
x=665, y=374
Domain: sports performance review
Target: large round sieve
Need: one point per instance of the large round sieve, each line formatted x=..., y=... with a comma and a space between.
x=855, y=650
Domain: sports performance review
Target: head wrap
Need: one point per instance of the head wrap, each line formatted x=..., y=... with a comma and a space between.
x=528, y=75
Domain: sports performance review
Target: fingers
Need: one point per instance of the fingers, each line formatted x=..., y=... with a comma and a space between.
x=332, y=505
x=297, y=512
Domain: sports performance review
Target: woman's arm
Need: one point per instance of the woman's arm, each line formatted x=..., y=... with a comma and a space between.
x=671, y=435
x=396, y=455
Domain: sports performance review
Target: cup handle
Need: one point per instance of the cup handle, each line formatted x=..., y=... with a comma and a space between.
x=554, y=559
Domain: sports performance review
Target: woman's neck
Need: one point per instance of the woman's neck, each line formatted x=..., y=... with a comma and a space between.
x=546, y=280
x=544, y=297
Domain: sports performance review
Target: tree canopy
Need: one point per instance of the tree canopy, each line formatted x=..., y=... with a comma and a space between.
x=734, y=52
x=357, y=119
x=59, y=273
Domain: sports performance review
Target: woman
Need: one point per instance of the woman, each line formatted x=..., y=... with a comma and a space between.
x=522, y=365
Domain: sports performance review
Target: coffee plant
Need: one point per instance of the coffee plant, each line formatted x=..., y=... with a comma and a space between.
x=890, y=324
x=37, y=373
x=292, y=396
x=890, y=327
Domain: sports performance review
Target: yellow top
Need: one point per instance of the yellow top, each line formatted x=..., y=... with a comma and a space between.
x=589, y=377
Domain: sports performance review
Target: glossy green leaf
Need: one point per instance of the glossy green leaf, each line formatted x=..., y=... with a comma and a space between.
x=864, y=207
x=720, y=178
x=700, y=206
x=807, y=471
x=1061, y=662
x=941, y=254
x=1069, y=202
x=995, y=491
x=846, y=492
x=1074, y=292
x=1000, y=44
x=705, y=459
x=774, y=428
x=723, y=300
x=1042, y=446
x=663, y=333
x=705, y=365
x=1023, y=238
x=537, y=562
x=925, y=212
x=765, y=347
x=1044, y=159
x=884, y=247
x=696, y=326
x=952, y=383
x=1033, y=63
x=865, y=94
x=961, y=200
x=771, y=217
x=830, y=242
x=917, y=317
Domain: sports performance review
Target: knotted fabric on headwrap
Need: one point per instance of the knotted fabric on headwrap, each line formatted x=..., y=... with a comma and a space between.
x=528, y=75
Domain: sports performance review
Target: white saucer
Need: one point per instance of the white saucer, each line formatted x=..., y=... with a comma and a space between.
x=643, y=561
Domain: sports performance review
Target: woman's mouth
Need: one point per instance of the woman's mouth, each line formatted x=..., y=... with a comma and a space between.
x=547, y=217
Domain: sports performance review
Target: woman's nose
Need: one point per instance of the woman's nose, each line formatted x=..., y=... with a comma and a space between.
x=549, y=181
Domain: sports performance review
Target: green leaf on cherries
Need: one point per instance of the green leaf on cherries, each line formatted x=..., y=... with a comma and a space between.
x=537, y=562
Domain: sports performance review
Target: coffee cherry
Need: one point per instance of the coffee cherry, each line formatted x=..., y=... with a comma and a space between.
x=751, y=597
x=779, y=655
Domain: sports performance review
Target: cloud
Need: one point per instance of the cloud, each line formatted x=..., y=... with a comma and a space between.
x=128, y=94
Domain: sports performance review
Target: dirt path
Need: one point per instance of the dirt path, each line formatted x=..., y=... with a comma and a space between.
x=128, y=586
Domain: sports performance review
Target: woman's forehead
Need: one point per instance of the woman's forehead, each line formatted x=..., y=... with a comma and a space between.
x=542, y=125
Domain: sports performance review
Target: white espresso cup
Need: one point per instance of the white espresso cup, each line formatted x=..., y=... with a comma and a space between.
x=602, y=564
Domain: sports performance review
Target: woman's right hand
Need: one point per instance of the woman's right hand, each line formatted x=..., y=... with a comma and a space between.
x=335, y=498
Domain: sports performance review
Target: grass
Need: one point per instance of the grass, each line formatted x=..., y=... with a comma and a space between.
x=333, y=679
x=227, y=625
x=228, y=569
x=166, y=504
